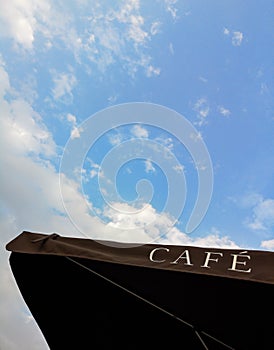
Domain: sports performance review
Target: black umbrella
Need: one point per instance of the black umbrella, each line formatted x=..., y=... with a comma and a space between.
x=87, y=294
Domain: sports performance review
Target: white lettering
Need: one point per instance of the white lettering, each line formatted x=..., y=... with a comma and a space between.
x=236, y=262
x=151, y=255
x=208, y=258
x=184, y=255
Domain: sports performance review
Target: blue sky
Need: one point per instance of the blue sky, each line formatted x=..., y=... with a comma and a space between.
x=64, y=62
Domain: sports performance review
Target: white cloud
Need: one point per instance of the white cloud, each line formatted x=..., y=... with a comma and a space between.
x=203, y=112
x=237, y=38
x=249, y=200
x=75, y=131
x=268, y=244
x=30, y=200
x=22, y=127
x=201, y=107
x=125, y=216
x=30, y=191
x=4, y=79
x=93, y=173
x=179, y=168
x=18, y=18
x=63, y=85
x=71, y=118
x=21, y=20
x=213, y=239
x=224, y=111
x=263, y=215
x=121, y=35
x=146, y=225
x=167, y=142
x=155, y=28
x=26, y=130
x=127, y=223
x=170, y=7
x=149, y=168
x=203, y=79
x=115, y=138
x=139, y=131
x=171, y=49
x=150, y=71
x=262, y=218
x=264, y=89
x=112, y=99
x=114, y=34
x=197, y=137
x=93, y=169
x=135, y=31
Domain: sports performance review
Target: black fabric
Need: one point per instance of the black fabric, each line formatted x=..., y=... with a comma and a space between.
x=249, y=265
x=77, y=310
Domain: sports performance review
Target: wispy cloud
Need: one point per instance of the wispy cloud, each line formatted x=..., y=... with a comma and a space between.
x=226, y=31
x=21, y=125
x=201, y=107
x=196, y=136
x=171, y=49
x=268, y=244
x=117, y=34
x=28, y=149
x=263, y=215
x=145, y=224
x=203, y=79
x=262, y=212
x=171, y=8
x=167, y=142
x=211, y=239
x=121, y=34
x=19, y=20
x=155, y=28
x=139, y=131
x=224, y=111
x=152, y=71
x=29, y=185
x=119, y=135
x=115, y=137
x=63, y=85
x=75, y=131
x=112, y=99
x=149, y=168
x=179, y=168
x=236, y=36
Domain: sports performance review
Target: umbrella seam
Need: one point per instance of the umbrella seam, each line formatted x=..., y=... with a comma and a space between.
x=152, y=304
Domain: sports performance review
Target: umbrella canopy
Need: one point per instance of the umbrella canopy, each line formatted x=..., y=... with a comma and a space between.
x=87, y=294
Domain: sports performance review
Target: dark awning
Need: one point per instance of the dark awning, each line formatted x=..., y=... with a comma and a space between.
x=88, y=294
